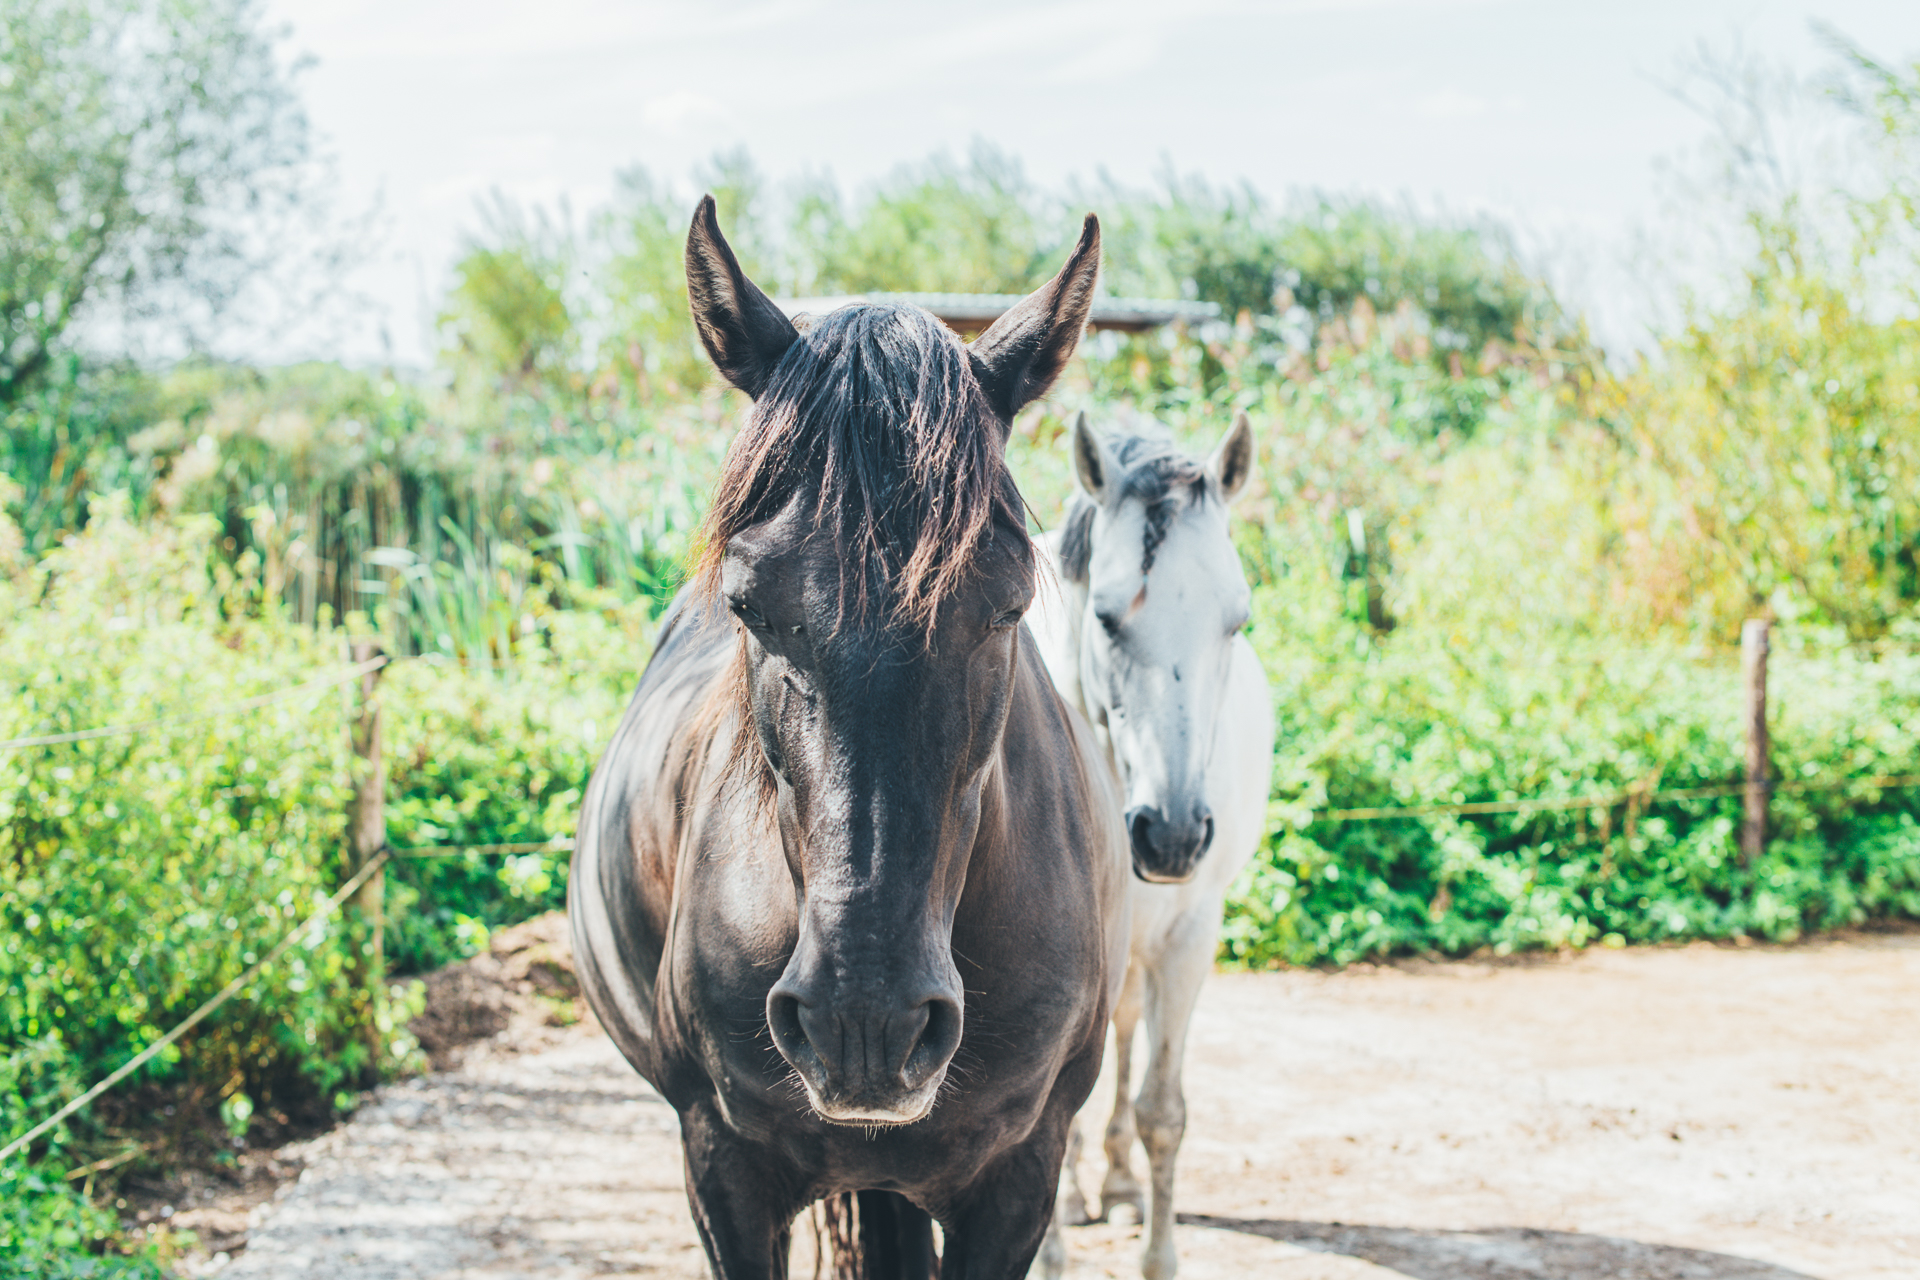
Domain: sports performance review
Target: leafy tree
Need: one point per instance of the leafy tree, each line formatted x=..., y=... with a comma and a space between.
x=940, y=226
x=144, y=140
x=1232, y=246
x=507, y=318
x=649, y=332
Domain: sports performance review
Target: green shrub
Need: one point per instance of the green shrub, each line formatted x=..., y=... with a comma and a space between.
x=1423, y=717
x=481, y=757
x=140, y=873
x=50, y=1232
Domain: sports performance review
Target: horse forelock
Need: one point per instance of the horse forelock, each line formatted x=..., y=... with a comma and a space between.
x=1153, y=472
x=874, y=415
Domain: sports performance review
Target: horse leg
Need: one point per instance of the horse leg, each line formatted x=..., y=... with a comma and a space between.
x=1051, y=1264
x=1120, y=1186
x=1069, y=1206
x=1173, y=988
x=1073, y=1205
x=995, y=1229
x=743, y=1202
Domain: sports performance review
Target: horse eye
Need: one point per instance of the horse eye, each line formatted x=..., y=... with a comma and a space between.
x=1110, y=624
x=749, y=615
x=1011, y=618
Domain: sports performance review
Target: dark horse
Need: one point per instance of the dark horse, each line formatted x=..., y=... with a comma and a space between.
x=849, y=886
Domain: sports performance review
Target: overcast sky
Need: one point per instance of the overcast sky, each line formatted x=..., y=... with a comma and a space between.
x=1551, y=116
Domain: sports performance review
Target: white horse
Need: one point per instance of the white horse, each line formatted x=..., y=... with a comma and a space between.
x=1145, y=639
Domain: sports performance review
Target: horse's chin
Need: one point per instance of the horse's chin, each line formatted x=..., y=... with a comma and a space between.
x=869, y=1115
x=1151, y=875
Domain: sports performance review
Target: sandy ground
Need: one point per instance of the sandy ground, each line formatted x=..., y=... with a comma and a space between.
x=1688, y=1114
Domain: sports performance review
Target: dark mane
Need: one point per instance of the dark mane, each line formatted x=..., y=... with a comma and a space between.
x=1151, y=470
x=876, y=413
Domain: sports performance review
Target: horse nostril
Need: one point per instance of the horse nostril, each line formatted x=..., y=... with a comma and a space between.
x=934, y=1046
x=783, y=1019
x=1206, y=838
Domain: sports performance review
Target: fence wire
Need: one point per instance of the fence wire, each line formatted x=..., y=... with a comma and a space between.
x=198, y=717
x=556, y=845
x=1607, y=799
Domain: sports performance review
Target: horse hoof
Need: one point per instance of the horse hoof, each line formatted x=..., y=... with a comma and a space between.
x=1129, y=1199
x=1073, y=1210
x=1159, y=1264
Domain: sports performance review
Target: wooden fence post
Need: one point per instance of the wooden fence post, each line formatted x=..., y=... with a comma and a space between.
x=367, y=824
x=1753, y=666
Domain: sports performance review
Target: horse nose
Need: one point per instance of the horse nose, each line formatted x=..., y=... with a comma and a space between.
x=1166, y=852
x=864, y=1059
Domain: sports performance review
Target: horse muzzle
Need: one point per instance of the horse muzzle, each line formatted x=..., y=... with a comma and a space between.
x=1166, y=852
x=866, y=1059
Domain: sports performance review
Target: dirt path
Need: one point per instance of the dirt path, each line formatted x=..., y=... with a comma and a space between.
x=1687, y=1114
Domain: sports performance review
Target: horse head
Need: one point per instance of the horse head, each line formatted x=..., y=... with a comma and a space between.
x=1147, y=540
x=872, y=550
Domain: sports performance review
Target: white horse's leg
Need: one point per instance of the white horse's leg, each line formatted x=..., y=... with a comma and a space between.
x=1173, y=988
x=1120, y=1186
x=1073, y=1205
x=1051, y=1262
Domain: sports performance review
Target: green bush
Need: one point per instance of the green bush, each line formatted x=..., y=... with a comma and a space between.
x=1416, y=720
x=497, y=757
x=140, y=873
x=50, y=1232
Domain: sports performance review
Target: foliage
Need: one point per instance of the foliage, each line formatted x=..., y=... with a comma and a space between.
x=1423, y=718
x=507, y=319
x=354, y=494
x=65, y=438
x=147, y=143
x=503, y=758
x=1313, y=260
x=937, y=227
x=1781, y=438
x=979, y=225
x=140, y=873
x=50, y=1232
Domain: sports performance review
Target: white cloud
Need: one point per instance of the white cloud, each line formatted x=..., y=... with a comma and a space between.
x=1453, y=104
x=672, y=113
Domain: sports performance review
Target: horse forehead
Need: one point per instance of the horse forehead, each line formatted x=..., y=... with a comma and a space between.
x=761, y=552
x=1181, y=522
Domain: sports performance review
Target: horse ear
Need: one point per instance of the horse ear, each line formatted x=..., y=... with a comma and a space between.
x=1018, y=358
x=741, y=328
x=1232, y=461
x=1089, y=458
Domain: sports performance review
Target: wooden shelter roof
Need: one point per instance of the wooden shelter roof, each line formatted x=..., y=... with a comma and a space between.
x=972, y=312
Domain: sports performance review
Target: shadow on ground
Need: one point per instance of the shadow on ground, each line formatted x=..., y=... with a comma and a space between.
x=1502, y=1253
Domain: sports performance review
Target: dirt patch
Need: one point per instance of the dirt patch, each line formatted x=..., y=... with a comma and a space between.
x=1686, y=1113
x=515, y=997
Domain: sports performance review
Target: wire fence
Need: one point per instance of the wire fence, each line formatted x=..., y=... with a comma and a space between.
x=218, y=712
x=559, y=844
x=1608, y=799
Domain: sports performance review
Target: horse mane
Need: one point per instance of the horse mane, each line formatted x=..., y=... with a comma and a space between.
x=1153, y=470
x=875, y=411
